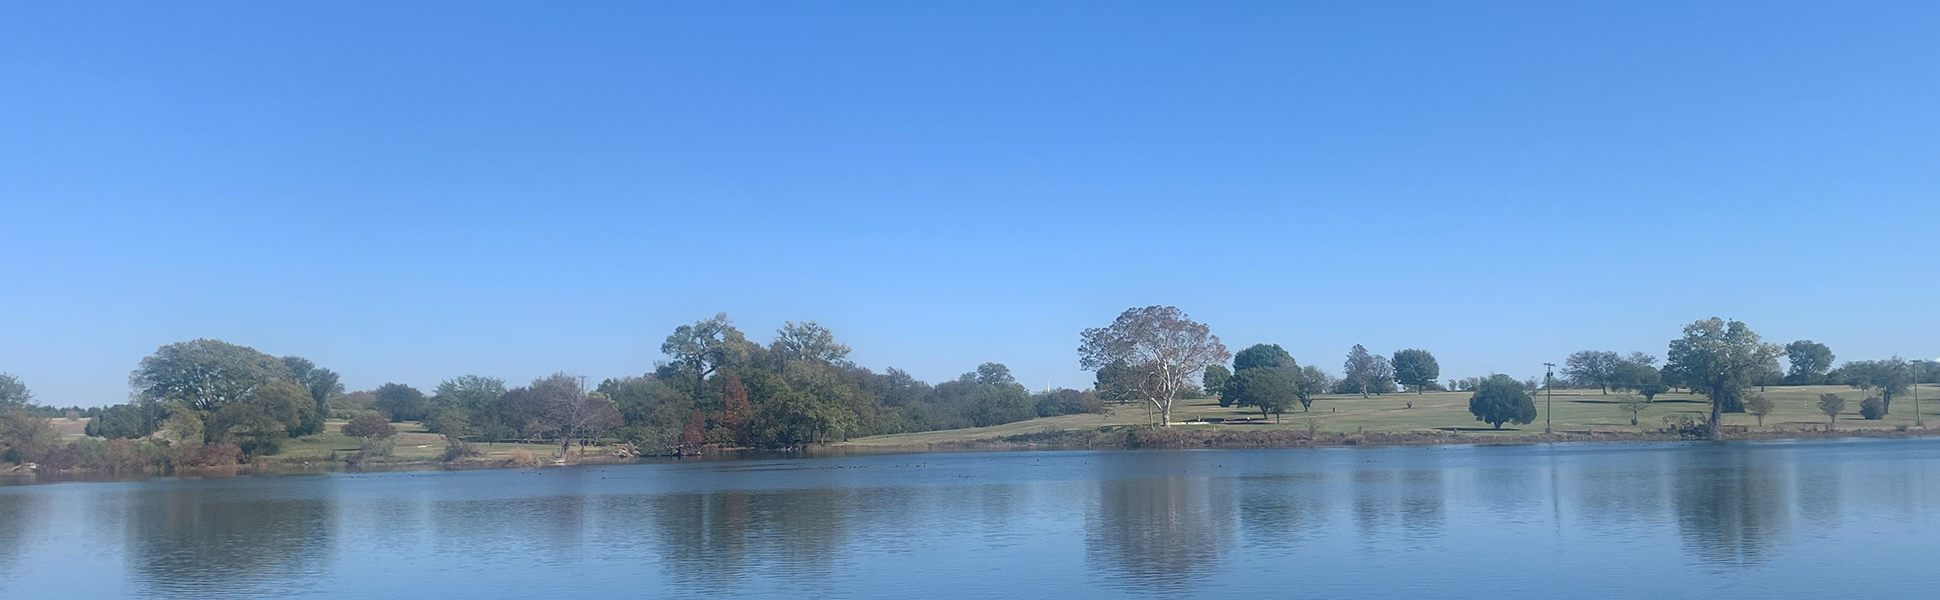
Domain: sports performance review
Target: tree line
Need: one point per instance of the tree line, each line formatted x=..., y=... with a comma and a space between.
x=716, y=388
x=210, y=401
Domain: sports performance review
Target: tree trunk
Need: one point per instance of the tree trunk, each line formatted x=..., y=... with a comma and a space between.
x=1165, y=415
x=1498, y=426
x=1717, y=414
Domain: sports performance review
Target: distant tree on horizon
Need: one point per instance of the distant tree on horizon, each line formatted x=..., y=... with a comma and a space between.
x=401, y=402
x=1808, y=362
x=1891, y=377
x=1416, y=369
x=1591, y=368
x=1367, y=373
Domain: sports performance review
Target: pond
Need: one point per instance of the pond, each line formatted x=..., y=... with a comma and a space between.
x=1809, y=519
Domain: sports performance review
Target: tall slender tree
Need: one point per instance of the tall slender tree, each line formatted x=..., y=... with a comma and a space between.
x=1362, y=368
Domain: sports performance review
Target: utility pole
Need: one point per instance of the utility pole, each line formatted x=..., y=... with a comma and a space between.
x=1549, y=395
x=1917, y=421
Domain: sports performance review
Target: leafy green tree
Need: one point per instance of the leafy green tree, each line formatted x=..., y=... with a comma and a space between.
x=26, y=437
x=1636, y=374
x=1263, y=356
x=1831, y=405
x=999, y=398
x=401, y=402
x=121, y=421
x=652, y=410
x=1767, y=372
x=1891, y=377
x=1591, y=368
x=1161, y=349
x=1716, y=359
x=321, y=383
x=1416, y=369
x=1067, y=402
x=1271, y=389
x=13, y=393
x=460, y=398
x=1313, y=382
x=1501, y=399
x=1809, y=361
x=705, y=347
x=1759, y=406
x=1363, y=369
x=808, y=341
x=205, y=375
x=1214, y=382
x=1257, y=356
x=262, y=419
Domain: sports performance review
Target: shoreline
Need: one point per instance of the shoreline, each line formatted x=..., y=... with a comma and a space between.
x=1126, y=439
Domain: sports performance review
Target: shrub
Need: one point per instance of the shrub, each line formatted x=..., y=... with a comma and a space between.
x=1686, y=426
x=206, y=455
x=369, y=426
x=377, y=447
x=456, y=449
x=1872, y=408
x=522, y=458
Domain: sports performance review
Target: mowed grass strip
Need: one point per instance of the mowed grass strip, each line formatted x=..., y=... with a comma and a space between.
x=1575, y=411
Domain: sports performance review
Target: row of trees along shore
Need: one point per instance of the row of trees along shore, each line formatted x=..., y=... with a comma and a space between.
x=1151, y=353
x=212, y=402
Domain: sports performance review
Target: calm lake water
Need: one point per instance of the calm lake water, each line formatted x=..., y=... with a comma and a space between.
x=1741, y=520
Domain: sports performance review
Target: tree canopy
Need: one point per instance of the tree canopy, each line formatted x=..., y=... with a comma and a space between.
x=1366, y=373
x=1416, y=369
x=1271, y=389
x=14, y=393
x=1160, y=349
x=401, y=402
x=1214, y=380
x=1263, y=355
x=1501, y=399
x=1891, y=377
x=207, y=375
x=1592, y=368
x=1716, y=358
x=1808, y=362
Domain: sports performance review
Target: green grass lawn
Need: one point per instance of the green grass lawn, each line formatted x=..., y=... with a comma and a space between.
x=413, y=444
x=1579, y=411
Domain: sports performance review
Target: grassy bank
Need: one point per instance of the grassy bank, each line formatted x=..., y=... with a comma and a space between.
x=1434, y=417
x=1394, y=419
x=413, y=446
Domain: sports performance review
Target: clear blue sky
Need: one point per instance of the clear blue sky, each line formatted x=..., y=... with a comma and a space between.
x=414, y=191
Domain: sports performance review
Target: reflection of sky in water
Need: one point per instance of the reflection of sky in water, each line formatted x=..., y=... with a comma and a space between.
x=1733, y=520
